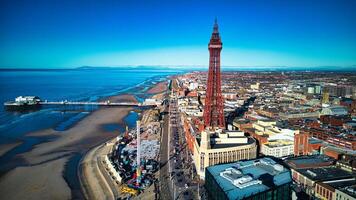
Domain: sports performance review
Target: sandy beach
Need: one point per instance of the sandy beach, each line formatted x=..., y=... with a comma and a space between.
x=43, y=177
x=158, y=88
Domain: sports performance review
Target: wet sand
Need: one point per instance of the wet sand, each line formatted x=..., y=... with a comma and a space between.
x=123, y=98
x=42, y=177
x=4, y=148
x=36, y=182
x=158, y=88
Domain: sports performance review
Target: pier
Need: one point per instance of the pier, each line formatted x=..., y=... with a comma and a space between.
x=104, y=103
x=34, y=102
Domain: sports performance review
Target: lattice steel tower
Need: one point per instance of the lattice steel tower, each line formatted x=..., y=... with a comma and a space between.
x=214, y=103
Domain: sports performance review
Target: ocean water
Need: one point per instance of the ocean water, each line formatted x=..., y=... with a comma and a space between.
x=57, y=85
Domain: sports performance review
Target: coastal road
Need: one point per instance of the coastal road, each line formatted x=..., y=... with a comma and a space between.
x=183, y=171
x=181, y=178
x=175, y=182
x=165, y=193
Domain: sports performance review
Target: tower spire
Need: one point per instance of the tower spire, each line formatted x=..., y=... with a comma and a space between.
x=216, y=27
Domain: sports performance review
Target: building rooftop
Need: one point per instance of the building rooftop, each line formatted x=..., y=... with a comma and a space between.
x=228, y=145
x=348, y=187
x=314, y=141
x=325, y=173
x=279, y=143
x=246, y=178
x=310, y=161
x=250, y=140
x=340, y=150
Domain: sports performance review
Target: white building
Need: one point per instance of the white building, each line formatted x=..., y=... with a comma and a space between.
x=27, y=99
x=255, y=86
x=311, y=90
x=278, y=148
x=152, y=102
x=193, y=85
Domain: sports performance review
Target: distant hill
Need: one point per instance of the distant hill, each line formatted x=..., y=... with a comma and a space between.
x=128, y=67
x=185, y=68
x=231, y=68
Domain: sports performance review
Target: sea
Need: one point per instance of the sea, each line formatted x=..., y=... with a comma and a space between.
x=84, y=84
x=67, y=84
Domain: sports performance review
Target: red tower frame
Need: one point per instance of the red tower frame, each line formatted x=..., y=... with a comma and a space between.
x=214, y=103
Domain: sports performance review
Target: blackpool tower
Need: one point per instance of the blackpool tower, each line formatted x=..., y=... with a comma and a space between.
x=214, y=103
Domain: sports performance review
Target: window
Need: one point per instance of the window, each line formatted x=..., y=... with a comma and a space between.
x=202, y=162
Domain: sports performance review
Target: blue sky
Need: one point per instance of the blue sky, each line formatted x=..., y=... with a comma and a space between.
x=73, y=33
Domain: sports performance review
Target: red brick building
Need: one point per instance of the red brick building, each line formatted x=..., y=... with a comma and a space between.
x=324, y=191
x=334, y=120
x=301, y=144
x=331, y=136
x=261, y=139
x=189, y=135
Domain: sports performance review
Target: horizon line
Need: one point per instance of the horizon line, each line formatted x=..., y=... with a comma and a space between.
x=182, y=66
x=349, y=68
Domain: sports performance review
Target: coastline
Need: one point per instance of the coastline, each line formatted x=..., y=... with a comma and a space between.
x=49, y=159
x=158, y=88
x=94, y=179
x=43, y=176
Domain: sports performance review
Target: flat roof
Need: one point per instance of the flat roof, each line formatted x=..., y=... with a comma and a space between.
x=265, y=119
x=314, y=141
x=342, y=184
x=309, y=161
x=325, y=173
x=269, y=176
x=340, y=149
x=250, y=140
x=348, y=187
x=278, y=144
x=228, y=145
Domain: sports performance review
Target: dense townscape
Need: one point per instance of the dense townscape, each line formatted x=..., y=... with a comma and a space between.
x=295, y=128
x=243, y=135
x=147, y=114
x=307, y=126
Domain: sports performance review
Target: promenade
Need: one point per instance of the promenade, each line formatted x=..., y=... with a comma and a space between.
x=95, y=180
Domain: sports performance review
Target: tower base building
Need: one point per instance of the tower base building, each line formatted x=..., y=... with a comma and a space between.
x=222, y=146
